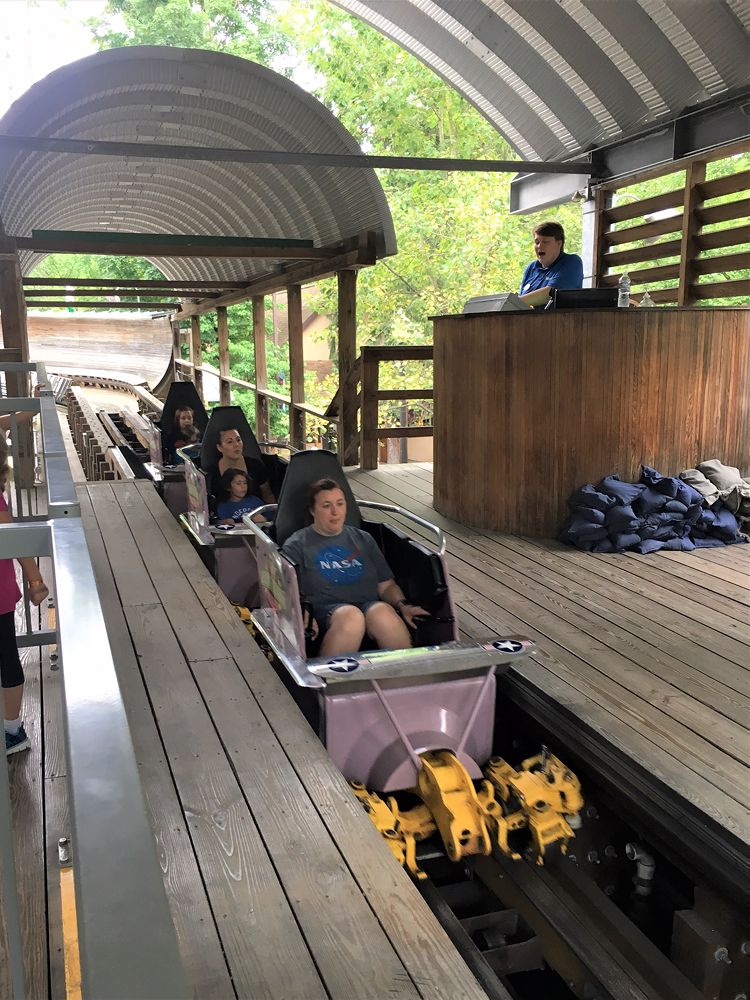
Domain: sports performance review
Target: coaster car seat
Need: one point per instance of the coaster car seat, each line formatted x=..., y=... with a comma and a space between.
x=304, y=469
x=224, y=418
x=180, y=395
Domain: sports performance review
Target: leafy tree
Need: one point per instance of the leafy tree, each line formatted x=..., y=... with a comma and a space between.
x=244, y=28
x=94, y=266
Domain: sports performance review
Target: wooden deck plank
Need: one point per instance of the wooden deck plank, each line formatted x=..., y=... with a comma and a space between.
x=263, y=943
x=199, y=943
x=197, y=636
x=426, y=952
x=723, y=573
x=651, y=603
x=496, y=554
x=736, y=596
x=352, y=954
x=133, y=584
x=509, y=592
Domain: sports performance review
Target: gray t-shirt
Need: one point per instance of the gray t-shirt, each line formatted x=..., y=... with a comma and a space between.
x=337, y=569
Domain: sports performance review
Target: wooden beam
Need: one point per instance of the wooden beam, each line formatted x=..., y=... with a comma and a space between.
x=12, y=304
x=63, y=304
x=631, y=234
x=721, y=289
x=217, y=154
x=196, y=355
x=723, y=238
x=154, y=293
x=646, y=206
x=368, y=455
x=154, y=246
x=641, y=276
x=725, y=262
x=670, y=248
x=222, y=333
x=16, y=338
x=176, y=353
x=695, y=175
x=360, y=256
x=261, y=370
x=348, y=436
x=129, y=283
x=296, y=365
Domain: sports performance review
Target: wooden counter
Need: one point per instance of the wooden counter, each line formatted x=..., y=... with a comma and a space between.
x=529, y=406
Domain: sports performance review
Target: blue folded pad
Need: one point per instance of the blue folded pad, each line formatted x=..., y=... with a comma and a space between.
x=588, y=498
x=622, y=492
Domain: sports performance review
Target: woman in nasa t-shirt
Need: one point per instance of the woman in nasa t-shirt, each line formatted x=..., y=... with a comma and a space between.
x=344, y=575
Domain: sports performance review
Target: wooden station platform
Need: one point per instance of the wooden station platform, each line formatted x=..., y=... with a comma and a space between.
x=279, y=885
x=649, y=655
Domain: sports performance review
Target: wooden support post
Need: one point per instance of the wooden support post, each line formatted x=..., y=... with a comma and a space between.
x=176, y=353
x=225, y=391
x=261, y=371
x=695, y=174
x=348, y=447
x=602, y=201
x=296, y=366
x=15, y=337
x=196, y=354
x=369, y=415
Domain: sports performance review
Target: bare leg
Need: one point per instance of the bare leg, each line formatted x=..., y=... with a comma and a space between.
x=12, y=698
x=345, y=631
x=386, y=627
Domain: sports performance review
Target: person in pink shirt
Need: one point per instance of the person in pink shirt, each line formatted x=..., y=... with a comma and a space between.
x=11, y=671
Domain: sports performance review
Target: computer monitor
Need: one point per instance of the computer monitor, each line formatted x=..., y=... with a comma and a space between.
x=584, y=298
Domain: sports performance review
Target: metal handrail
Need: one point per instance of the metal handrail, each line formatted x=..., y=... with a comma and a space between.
x=128, y=951
x=402, y=512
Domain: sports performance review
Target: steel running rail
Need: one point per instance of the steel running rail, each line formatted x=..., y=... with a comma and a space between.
x=127, y=942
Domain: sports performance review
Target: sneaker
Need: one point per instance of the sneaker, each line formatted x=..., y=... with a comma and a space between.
x=16, y=741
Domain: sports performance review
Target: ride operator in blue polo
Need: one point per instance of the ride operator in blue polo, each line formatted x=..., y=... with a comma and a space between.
x=551, y=268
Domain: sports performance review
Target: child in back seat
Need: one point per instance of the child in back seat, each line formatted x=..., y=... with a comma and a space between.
x=238, y=497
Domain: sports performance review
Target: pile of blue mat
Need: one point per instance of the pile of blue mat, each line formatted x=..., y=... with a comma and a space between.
x=658, y=512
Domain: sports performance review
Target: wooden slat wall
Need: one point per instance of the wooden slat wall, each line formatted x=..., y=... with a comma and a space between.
x=566, y=397
x=681, y=255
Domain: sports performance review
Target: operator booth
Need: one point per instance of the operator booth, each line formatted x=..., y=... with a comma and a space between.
x=564, y=396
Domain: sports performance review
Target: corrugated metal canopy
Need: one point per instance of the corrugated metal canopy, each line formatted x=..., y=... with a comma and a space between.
x=185, y=97
x=558, y=77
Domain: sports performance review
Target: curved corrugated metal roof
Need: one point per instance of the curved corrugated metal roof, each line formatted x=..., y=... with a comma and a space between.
x=558, y=77
x=184, y=97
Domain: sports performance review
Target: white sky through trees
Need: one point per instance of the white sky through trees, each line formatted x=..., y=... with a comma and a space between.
x=40, y=36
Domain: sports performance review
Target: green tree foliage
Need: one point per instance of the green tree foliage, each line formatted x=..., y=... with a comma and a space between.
x=244, y=28
x=455, y=236
x=79, y=265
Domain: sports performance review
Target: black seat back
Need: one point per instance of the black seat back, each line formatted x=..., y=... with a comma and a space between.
x=306, y=468
x=224, y=418
x=180, y=395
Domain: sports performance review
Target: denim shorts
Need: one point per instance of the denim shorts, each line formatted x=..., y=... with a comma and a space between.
x=323, y=614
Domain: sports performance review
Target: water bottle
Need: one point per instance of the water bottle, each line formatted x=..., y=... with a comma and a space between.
x=623, y=295
x=646, y=300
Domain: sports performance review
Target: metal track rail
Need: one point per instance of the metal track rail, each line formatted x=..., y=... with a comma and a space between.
x=691, y=839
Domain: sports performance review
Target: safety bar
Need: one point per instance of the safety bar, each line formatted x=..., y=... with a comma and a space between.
x=449, y=657
x=127, y=942
x=392, y=509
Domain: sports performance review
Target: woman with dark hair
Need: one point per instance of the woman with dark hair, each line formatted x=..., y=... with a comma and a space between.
x=345, y=576
x=230, y=455
x=11, y=671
